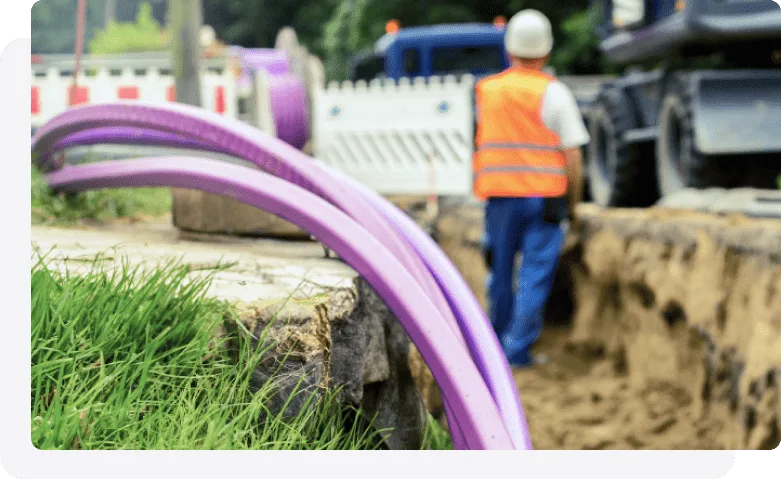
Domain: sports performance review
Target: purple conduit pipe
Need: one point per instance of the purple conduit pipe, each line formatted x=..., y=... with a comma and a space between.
x=289, y=108
x=243, y=141
x=289, y=105
x=470, y=402
x=457, y=292
x=138, y=136
x=275, y=62
x=118, y=135
x=482, y=341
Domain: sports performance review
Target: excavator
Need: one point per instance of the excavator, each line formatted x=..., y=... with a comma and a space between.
x=698, y=106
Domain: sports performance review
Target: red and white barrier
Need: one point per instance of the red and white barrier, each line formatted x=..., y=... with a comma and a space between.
x=142, y=77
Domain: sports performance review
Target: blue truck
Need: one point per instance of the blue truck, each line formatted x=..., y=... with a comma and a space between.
x=424, y=51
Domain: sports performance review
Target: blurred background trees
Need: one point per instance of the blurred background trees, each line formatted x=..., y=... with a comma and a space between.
x=331, y=29
x=145, y=34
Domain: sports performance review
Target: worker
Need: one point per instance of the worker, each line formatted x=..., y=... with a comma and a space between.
x=528, y=169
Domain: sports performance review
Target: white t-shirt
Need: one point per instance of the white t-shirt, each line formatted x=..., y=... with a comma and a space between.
x=561, y=114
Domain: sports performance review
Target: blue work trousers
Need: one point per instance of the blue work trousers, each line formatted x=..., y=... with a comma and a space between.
x=512, y=226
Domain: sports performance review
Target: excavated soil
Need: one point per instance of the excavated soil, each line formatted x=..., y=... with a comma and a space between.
x=579, y=401
x=664, y=331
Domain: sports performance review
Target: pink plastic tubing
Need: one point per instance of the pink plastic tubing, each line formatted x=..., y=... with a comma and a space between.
x=472, y=321
x=457, y=292
x=243, y=141
x=470, y=402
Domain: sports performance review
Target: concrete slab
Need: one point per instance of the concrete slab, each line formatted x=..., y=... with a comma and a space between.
x=257, y=269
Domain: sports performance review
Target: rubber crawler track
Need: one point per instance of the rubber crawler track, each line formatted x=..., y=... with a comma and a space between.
x=66, y=131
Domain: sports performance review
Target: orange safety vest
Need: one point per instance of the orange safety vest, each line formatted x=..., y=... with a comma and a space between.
x=516, y=154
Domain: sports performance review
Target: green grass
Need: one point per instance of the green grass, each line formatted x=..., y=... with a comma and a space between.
x=436, y=437
x=125, y=359
x=53, y=208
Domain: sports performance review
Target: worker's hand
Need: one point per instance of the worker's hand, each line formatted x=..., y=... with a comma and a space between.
x=488, y=257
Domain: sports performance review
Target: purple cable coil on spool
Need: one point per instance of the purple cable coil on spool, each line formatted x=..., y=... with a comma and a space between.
x=289, y=108
x=275, y=62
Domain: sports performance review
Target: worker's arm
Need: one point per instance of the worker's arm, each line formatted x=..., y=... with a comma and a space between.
x=561, y=114
x=574, y=168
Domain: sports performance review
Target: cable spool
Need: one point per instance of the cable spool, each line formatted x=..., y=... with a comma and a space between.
x=289, y=108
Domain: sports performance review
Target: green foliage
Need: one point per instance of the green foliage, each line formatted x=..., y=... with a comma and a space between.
x=336, y=29
x=577, y=49
x=436, y=437
x=53, y=25
x=145, y=35
x=49, y=207
x=331, y=29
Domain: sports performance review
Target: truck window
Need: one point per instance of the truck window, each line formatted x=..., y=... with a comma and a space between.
x=368, y=68
x=476, y=60
x=411, y=61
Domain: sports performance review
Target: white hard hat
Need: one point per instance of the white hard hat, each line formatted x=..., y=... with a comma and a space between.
x=528, y=35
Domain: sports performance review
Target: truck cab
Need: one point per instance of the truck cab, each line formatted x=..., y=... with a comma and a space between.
x=438, y=50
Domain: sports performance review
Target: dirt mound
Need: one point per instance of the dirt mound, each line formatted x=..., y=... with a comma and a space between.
x=578, y=400
x=675, y=334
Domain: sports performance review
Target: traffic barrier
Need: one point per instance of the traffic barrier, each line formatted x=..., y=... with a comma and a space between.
x=388, y=135
x=52, y=85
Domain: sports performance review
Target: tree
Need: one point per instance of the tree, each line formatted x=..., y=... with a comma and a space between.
x=145, y=35
x=53, y=25
x=577, y=51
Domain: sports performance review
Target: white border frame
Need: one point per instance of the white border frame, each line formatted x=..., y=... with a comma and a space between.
x=21, y=459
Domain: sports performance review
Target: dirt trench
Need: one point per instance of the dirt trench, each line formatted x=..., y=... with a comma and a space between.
x=663, y=331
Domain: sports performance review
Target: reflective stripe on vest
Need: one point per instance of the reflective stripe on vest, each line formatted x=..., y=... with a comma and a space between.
x=516, y=153
x=516, y=146
x=524, y=169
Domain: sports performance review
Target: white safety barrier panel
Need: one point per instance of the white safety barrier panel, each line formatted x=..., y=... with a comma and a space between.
x=103, y=79
x=399, y=138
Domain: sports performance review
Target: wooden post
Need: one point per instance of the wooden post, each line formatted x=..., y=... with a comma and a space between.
x=81, y=16
x=196, y=211
x=184, y=22
x=110, y=13
x=186, y=17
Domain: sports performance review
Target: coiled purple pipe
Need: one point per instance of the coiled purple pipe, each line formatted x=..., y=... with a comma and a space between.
x=290, y=110
x=471, y=405
x=457, y=292
x=275, y=62
x=289, y=106
x=242, y=141
x=472, y=321
x=121, y=135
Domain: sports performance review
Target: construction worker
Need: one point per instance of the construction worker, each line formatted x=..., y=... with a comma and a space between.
x=528, y=168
